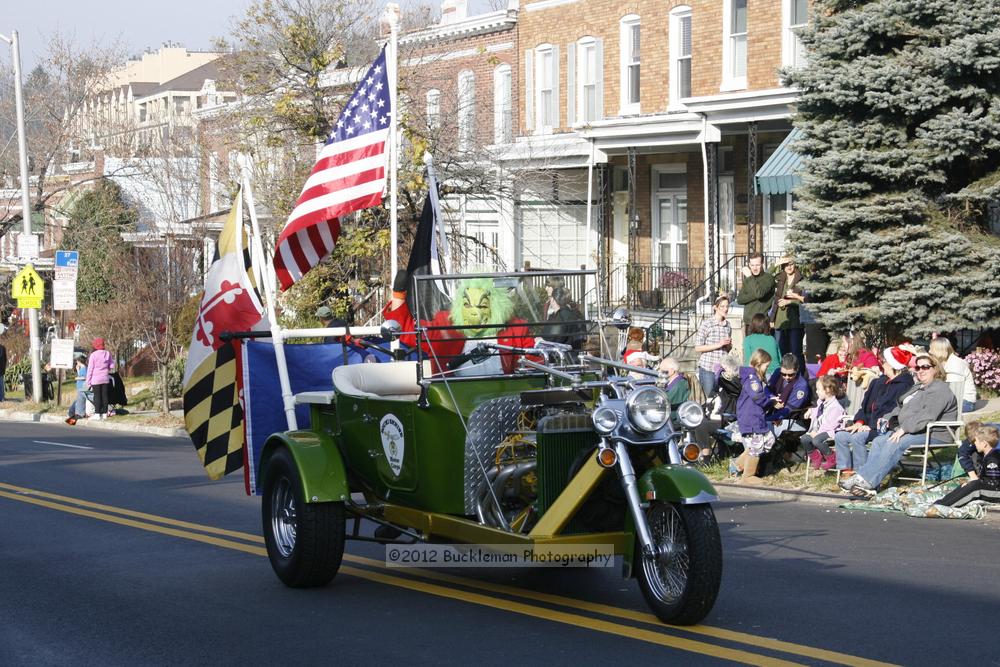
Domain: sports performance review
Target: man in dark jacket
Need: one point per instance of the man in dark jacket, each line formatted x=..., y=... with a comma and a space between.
x=756, y=295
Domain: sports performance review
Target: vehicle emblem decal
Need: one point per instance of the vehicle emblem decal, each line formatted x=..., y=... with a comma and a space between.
x=391, y=430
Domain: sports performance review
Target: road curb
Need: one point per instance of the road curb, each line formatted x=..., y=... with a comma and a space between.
x=163, y=431
x=773, y=493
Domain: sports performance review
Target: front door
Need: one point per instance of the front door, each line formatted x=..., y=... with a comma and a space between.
x=671, y=228
x=727, y=218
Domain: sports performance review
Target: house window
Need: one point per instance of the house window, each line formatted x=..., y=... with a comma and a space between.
x=734, y=45
x=670, y=211
x=589, y=66
x=433, y=109
x=680, y=54
x=630, y=77
x=547, y=76
x=503, y=130
x=466, y=110
x=796, y=15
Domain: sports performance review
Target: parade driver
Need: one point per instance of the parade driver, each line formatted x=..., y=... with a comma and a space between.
x=479, y=308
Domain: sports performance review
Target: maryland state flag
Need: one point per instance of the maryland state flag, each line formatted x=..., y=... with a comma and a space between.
x=212, y=413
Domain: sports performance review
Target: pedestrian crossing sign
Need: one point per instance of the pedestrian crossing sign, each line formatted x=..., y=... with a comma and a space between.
x=28, y=288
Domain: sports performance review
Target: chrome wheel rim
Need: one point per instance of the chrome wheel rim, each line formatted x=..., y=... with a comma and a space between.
x=283, y=517
x=667, y=572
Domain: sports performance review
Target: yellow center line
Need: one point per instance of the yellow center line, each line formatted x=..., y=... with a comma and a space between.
x=595, y=607
x=577, y=620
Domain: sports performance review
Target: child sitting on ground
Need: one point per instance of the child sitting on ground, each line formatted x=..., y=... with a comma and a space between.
x=986, y=483
x=968, y=457
x=756, y=433
x=824, y=422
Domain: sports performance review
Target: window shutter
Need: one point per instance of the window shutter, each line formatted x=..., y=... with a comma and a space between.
x=570, y=84
x=599, y=58
x=554, y=121
x=529, y=89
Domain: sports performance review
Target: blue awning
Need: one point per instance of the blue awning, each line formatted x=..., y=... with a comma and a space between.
x=778, y=175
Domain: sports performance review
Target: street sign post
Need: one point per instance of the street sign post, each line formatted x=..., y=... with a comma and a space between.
x=27, y=246
x=28, y=289
x=67, y=264
x=61, y=355
x=63, y=294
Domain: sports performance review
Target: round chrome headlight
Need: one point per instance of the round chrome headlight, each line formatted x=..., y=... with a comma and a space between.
x=648, y=409
x=690, y=414
x=605, y=420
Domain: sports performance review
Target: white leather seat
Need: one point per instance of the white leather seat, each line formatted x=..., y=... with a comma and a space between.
x=396, y=381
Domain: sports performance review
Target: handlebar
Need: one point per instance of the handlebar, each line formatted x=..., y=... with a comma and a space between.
x=600, y=361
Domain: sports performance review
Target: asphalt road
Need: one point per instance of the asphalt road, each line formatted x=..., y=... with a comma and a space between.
x=115, y=549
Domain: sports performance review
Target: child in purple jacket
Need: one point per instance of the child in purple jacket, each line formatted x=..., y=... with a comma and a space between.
x=825, y=421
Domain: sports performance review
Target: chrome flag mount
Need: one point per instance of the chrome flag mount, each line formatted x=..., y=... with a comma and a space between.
x=349, y=175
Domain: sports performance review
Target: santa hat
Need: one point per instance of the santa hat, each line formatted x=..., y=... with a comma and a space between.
x=897, y=357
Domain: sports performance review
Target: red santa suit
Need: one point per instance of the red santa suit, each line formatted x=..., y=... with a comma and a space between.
x=448, y=343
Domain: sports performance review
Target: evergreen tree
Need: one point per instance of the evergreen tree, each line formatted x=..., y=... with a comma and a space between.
x=97, y=220
x=900, y=115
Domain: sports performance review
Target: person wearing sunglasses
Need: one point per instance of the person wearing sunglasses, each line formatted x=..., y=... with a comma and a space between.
x=791, y=388
x=930, y=400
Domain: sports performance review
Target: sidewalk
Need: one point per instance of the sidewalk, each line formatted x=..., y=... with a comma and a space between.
x=123, y=423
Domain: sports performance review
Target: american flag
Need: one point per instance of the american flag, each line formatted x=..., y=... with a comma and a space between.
x=349, y=175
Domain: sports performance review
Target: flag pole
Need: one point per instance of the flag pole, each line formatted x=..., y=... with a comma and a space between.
x=444, y=252
x=392, y=18
x=277, y=335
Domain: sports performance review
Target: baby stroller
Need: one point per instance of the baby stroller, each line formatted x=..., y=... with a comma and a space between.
x=718, y=432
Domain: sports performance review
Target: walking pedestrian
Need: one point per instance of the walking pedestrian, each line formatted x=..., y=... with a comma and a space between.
x=99, y=368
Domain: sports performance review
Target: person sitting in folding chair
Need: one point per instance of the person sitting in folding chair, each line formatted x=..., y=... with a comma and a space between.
x=881, y=398
x=930, y=400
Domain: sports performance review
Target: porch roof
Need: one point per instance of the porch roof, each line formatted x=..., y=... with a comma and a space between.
x=778, y=175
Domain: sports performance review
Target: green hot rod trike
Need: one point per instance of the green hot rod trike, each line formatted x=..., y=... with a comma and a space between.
x=513, y=425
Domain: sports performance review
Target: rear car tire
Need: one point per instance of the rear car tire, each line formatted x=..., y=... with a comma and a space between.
x=681, y=586
x=305, y=541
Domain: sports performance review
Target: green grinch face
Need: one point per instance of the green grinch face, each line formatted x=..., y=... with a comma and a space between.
x=476, y=308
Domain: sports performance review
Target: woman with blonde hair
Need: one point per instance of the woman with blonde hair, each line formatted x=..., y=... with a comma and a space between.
x=930, y=400
x=956, y=370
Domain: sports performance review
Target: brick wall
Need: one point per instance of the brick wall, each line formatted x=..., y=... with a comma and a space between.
x=567, y=23
x=438, y=66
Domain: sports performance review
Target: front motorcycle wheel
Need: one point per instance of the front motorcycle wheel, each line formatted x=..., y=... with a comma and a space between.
x=682, y=583
x=305, y=542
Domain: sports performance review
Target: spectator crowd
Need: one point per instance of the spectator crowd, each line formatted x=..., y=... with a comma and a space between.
x=857, y=411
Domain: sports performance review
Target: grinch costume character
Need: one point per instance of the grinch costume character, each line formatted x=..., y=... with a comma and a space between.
x=478, y=308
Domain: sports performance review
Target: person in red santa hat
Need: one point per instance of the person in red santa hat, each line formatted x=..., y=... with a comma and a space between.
x=880, y=399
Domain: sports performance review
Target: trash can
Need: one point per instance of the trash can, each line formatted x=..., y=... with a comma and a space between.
x=47, y=393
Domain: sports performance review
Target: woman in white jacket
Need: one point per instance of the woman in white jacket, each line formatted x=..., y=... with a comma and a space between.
x=957, y=370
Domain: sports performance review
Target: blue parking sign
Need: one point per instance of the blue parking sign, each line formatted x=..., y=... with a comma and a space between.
x=67, y=258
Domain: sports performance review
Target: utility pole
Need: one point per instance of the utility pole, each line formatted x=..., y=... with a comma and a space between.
x=22, y=147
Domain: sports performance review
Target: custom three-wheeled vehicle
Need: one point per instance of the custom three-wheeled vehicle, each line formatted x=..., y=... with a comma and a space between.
x=512, y=425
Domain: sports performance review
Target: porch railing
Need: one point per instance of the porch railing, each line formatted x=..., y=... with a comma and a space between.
x=675, y=328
